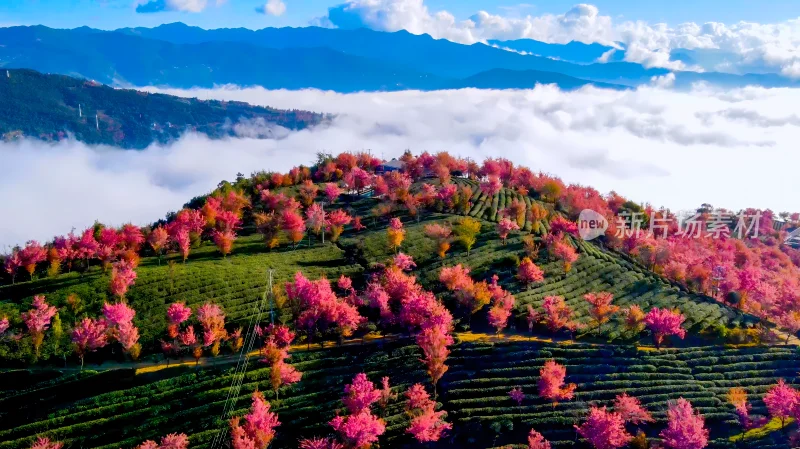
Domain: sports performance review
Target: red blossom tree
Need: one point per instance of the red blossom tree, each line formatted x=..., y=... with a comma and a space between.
x=395, y=233
x=564, y=252
x=557, y=314
x=89, y=335
x=604, y=429
x=685, y=428
x=337, y=220
x=158, y=239
x=504, y=227
x=122, y=277
x=212, y=319
x=294, y=226
x=782, y=401
x=332, y=192
x=517, y=395
x=37, y=320
x=537, y=441
x=631, y=410
x=46, y=443
x=528, y=273
x=426, y=423
x=360, y=429
x=259, y=426
x=551, y=383
x=32, y=254
x=601, y=308
x=664, y=322
x=441, y=235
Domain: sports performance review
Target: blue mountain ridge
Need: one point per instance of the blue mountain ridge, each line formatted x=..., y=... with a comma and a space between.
x=333, y=59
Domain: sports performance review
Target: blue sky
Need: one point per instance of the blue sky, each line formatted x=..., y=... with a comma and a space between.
x=109, y=14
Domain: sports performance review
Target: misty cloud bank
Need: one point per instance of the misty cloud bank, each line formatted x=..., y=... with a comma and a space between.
x=678, y=149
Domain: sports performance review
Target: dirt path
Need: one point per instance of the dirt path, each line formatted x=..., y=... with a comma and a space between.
x=144, y=367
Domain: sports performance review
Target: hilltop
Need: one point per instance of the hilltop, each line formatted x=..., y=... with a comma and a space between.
x=55, y=107
x=358, y=305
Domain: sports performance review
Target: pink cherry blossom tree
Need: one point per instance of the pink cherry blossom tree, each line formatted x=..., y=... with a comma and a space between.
x=122, y=277
x=551, y=383
x=685, y=428
x=360, y=429
x=37, y=320
x=517, y=395
x=88, y=336
x=604, y=429
x=212, y=319
x=536, y=441
x=337, y=220
x=158, y=239
x=332, y=192
x=781, y=401
x=258, y=429
x=46, y=443
x=31, y=255
x=664, y=322
x=631, y=410
x=505, y=226
x=427, y=424
x=528, y=273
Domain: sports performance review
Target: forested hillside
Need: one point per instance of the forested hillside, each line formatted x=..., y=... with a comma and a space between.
x=449, y=304
x=53, y=107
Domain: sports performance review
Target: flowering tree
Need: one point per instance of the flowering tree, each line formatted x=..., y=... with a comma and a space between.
x=258, y=430
x=386, y=394
x=308, y=192
x=4, y=325
x=502, y=305
x=177, y=313
x=212, y=319
x=268, y=225
x=517, y=395
x=12, y=264
x=434, y=340
x=88, y=336
x=634, y=319
x=276, y=351
x=737, y=397
x=564, y=252
x=601, y=308
x=332, y=192
x=404, y=262
x=357, y=179
x=225, y=227
x=320, y=443
x=119, y=318
x=294, y=226
x=37, y=320
x=122, y=277
x=319, y=307
x=426, y=423
x=557, y=314
x=395, y=233
x=337, y=220
x=537, y=441
x=108, y=240
x=528, y=273
x=504, y=227
x=551, y=383
x=441, y=235
x=357, y=225
x=491, y=186
x=455, y=278
x=360, y=429
x=781, y=401
x=316, y=219
x=685, y=428
x=158, y=241
x=631, y=410
x=32, y=254
x=45, y=443
x=604, y=429
x=663, y=322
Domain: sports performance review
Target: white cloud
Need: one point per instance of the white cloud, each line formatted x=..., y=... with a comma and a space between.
x=771, y=47
x=663, y=81
x=606, y=55
x=273, y=8
x=152, y=6
x=671, y=148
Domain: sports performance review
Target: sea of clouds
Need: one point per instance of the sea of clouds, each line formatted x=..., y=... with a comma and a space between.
x=732, y=149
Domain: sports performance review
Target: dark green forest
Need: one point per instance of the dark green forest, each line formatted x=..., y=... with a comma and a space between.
x=33, y=104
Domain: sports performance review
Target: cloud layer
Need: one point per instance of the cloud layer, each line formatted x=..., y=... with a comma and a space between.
x=741, y=47
x=679, y=149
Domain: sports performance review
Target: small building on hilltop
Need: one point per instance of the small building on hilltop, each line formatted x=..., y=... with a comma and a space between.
x=389, y=166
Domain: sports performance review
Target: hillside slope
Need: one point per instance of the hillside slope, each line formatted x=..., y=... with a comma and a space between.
x=53, y=107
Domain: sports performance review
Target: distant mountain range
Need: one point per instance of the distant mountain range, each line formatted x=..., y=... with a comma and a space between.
x=178, y=55
x=53, y=107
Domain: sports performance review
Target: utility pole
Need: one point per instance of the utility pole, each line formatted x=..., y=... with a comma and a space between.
x=96, y=122
x=271, y=299
x=80, y=112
